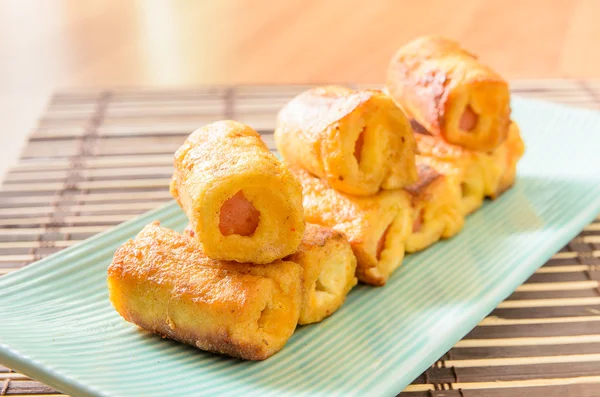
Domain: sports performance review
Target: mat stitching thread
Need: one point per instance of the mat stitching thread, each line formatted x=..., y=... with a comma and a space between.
x=70, y=183
x=87, y=148
x=581, y=259
x=4, y=390
x=455, y=373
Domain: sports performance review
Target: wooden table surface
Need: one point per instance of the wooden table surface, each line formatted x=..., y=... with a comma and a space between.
x=53, y=44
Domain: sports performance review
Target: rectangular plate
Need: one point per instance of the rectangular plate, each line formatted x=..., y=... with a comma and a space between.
x=57, y=325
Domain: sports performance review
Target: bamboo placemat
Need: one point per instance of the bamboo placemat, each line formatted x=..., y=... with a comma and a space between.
x=98, y=158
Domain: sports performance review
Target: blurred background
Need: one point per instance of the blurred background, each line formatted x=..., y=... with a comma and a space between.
x=47, y=45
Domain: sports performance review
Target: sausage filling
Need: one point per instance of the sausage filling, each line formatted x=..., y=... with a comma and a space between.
x=238, y=216
x=468, y=120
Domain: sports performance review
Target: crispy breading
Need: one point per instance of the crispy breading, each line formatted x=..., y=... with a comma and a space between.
x=242, y=202
x=358, y=141
x=450, y=92
x=164, y=282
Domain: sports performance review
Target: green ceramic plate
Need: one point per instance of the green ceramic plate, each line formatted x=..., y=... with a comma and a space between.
x=57, y=325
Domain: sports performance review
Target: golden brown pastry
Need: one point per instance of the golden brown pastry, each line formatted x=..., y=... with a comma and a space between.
x=478, y=174
x=376, y=226
x=163, y=282
x=450, y=92
x=329, y=266
x=514, y=148
x=243, y=204
x=467, y=179
x=358, y=141
x=436, y=204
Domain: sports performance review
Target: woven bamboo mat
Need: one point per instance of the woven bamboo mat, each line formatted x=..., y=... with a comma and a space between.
x=98, y=158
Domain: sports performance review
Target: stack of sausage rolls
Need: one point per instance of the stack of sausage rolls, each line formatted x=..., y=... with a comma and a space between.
x=366, y=176
x=354, y=153
x=247, y=269
x=460, y=112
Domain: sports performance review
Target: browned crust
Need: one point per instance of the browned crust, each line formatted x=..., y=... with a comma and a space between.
x=218, y=343
x=323, y=106
x=427, y=177
x=422, y=79
x=418, y=128
x=429, y=92
x=316, y=235
x=334, y=208
x=434, y=146
x=358, y=218
x=163, y=282
x=317, y=131
x=430, y=86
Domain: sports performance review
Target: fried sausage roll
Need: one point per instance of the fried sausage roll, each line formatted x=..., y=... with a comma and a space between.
x=450, y=92
x=466, y=178
x=477, y=173
x=358, y=141
x=376, y=226
x=243, y=204
x=436, y=208
x=329, y=267
x=163, y=282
